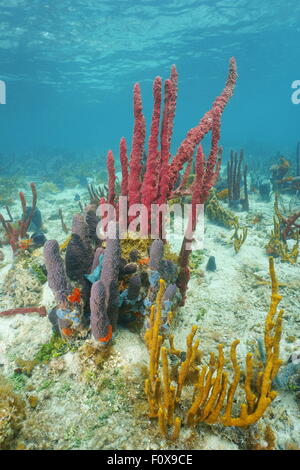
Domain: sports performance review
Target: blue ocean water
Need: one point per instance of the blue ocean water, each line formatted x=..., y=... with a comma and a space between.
x=69, y=67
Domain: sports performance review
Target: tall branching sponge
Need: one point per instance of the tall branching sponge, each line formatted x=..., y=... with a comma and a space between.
x=213, y=389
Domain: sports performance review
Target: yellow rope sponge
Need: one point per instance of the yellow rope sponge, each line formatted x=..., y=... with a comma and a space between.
x=160, y=393
x=213, y=395
x=154, y=341
x=257, y=404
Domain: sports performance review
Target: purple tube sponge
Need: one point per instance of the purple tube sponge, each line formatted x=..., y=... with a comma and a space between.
x=99, y=251
x=134, y=287
x=100, y=324
x=170, y=293
x=77, y=263
x=134, y=255
x=156, y=254
x=91, y=220
x=81, y=228
x=168, y=270
x=129, y=268
x=109, y=278
x=57, y=279
x=113, y=304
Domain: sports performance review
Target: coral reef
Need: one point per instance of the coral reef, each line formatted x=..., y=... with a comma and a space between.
x=111, y=291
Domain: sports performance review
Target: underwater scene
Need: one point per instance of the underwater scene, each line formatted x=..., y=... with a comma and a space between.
x=149, y=225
